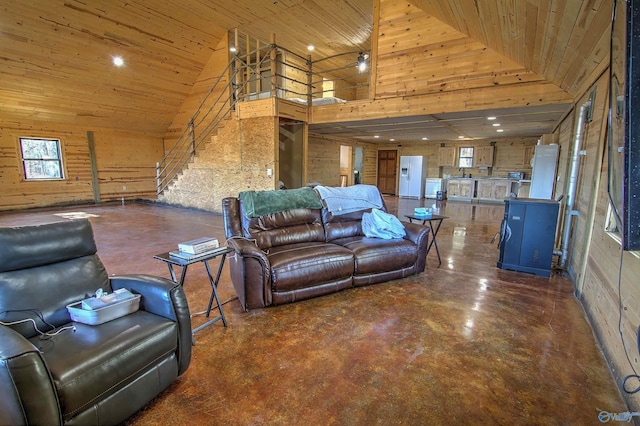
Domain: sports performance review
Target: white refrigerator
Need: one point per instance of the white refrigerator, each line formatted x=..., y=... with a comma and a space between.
x=413, y=171
x=543, y=175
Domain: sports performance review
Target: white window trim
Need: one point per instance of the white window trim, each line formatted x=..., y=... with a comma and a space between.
x=60, y=160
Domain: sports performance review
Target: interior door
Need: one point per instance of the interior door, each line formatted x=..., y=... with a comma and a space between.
x=387, y=165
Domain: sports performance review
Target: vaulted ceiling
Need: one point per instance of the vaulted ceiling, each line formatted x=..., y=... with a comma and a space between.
x=56, y=55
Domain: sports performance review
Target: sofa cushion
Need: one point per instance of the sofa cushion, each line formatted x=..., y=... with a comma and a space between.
x=308, y=264
x=284, y=228
x=375, y=255
x=93, y=362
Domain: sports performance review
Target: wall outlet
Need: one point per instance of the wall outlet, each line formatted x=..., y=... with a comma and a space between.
x=124, y=187
x=269, y=172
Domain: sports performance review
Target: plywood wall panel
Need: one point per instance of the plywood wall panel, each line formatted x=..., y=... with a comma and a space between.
x=235, y=160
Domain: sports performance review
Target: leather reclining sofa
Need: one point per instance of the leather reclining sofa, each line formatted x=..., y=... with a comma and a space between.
x=79, y=373
x=302, y=253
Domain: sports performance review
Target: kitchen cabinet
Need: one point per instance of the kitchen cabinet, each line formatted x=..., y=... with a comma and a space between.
x=484, y=156
x=447, y=156
x=461, y=189
x=494, y=189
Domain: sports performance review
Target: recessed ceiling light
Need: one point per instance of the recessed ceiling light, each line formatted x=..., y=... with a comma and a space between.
x=425, y=139
x=460, y=137
x=491, y=118
x=496, y=124
x=500, y=130
x=118, y=61
x=232, y=49
x=392, y=140
x=310, y=47
x=376, y=136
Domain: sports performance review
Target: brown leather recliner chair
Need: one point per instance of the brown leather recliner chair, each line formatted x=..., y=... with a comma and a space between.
x=78, y=373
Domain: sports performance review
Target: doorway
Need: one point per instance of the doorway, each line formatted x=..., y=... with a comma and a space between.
x=291, y=147
x=387, y=165
x=346, y=165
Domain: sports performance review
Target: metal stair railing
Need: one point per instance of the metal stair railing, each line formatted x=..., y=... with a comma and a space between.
x=199, y=129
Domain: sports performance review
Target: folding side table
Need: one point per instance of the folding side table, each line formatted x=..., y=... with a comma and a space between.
x=172, y=261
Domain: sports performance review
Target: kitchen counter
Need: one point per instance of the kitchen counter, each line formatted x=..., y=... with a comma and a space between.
x=489, y=189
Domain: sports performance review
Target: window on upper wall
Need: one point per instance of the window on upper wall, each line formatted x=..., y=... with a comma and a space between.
x=41, y=158
x=465, y=156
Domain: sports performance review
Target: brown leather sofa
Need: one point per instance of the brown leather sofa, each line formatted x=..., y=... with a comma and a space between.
x=54, y=371
x=301, y=253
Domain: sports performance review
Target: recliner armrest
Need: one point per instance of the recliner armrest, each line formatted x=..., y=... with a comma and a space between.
x=250, y=273
x=416, y=233
x=163, y=297
x=27, y=389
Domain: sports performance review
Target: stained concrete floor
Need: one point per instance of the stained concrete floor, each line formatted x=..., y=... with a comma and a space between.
x=462, y=343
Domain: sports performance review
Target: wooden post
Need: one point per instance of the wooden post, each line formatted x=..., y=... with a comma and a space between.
x=237, y=75
x=309, y=87
x=258, y=68
x=158, y=178
x=273, y=57
x=248, y=78
x=192, y=132
x=95, y=183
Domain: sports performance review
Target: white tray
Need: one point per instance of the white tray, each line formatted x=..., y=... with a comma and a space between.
x=102, y=315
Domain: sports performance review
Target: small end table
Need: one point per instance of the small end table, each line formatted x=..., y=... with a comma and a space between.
x=434, y=229
x=172, y=261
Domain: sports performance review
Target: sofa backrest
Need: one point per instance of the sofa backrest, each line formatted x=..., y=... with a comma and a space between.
x=44, y=268
x=272, y=230
x=287, y=227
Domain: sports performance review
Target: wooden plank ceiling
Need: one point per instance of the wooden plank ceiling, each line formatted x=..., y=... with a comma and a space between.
x=55, y=56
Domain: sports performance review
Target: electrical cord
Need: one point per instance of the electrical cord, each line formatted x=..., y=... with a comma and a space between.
x=43, y=334
x=623, y=382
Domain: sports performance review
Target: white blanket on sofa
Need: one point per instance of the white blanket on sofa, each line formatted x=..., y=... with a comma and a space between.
x=350, y=199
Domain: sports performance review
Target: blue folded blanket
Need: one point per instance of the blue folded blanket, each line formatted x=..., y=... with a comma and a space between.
x=260, y=203
x=350, y=199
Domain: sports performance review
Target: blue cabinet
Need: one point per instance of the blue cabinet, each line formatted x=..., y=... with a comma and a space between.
x=527, y=235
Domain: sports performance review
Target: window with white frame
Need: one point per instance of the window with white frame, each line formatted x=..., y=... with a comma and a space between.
x=41, y=158
x=465, y=157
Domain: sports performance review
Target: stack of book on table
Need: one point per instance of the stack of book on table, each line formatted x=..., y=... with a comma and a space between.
x=194, y=249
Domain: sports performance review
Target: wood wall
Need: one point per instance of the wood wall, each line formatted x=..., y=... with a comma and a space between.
x=508, y=156
x=125, y=165
x=323, y=159
x=605, y=278
x=418, y=54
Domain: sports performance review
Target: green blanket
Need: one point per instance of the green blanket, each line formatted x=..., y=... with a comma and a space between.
x=260, y=203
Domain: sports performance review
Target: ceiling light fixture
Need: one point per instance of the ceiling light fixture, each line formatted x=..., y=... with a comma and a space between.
x=500, y=130
x=392, y=140
x=362, y=61
x=425, y=139
x=232, y=49
x=496, y=124
x=460, y=137
x=376, y=136
x=118, y=61
x=491, y=118
x=310, y=47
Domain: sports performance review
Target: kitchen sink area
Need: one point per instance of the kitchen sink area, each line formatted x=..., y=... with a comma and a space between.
x=486, y=188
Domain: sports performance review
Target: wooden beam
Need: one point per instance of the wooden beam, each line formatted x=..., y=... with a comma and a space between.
x=94, y=168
